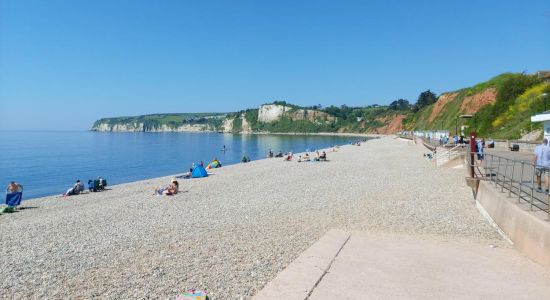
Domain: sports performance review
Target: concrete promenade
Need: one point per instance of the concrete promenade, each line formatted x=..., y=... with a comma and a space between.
x=346, y=264
x=359, y=265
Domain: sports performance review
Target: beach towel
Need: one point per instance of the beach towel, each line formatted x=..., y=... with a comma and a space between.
x=193, y=295
x=14, y=199
x=7, y=210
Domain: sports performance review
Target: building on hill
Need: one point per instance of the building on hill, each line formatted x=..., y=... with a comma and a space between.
x=544, y=75
x=543, y=117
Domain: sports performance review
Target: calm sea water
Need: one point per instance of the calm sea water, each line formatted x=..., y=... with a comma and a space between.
x=49, y=162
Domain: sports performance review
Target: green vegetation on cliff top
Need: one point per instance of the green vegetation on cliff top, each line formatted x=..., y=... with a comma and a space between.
x=518, y=97
x=510, y=101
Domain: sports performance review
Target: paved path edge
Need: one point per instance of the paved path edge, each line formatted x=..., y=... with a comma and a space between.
x=298, y=280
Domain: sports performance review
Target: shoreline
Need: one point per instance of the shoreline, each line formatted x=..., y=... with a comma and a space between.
x=58, y=195
x=343, y=134
x=167, y=177
x=244, y=224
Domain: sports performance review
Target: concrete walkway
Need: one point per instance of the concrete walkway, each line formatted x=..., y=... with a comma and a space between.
x=358, y=265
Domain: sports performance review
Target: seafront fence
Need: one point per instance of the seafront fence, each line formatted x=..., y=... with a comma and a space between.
x=512, y=176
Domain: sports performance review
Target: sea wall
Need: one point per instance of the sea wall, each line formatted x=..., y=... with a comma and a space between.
x=528, y=230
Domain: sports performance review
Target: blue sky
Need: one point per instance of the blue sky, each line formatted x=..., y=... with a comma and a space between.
x=64, y=64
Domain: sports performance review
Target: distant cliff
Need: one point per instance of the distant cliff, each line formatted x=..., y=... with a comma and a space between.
x=502, y=106
x=279, y=117
x=184, y=122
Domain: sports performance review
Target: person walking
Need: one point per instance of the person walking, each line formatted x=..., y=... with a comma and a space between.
x=542, y=163
x=479, y=145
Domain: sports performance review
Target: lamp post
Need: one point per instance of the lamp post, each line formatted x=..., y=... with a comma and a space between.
x=545, y=97
x=475, y=124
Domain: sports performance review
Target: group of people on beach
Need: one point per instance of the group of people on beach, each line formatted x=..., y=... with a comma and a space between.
x=93, y=186
x=317, y=157
x=289, y=156
x=173, y=187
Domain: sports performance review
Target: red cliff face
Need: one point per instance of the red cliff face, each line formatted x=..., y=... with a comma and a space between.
x=392, y=125
x=440, y=104
x=471, y=104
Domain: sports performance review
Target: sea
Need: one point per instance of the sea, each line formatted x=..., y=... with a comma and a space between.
x=49, y=162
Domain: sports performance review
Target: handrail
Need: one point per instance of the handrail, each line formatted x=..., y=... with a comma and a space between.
x=517, y=177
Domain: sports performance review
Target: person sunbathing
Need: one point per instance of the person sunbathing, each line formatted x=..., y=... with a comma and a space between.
x=170, y=190
x=306, y=157
x=323, y=156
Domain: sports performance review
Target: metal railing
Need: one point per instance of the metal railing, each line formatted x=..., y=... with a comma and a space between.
x=445, y=155
x=516, y=177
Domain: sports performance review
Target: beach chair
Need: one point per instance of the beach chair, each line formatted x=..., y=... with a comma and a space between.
x=12, y=201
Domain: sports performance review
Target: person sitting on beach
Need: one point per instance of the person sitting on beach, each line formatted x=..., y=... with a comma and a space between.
x=323, y=156
x=101, y=183
x=280, y=154
x=245, y=159
x=306, y=157
x=14, y=187
x=270, y=154
x=299, y=158
x=288, y=157
x=91, y=186
x=170, y=190
x=75, y=190
x=214, y=164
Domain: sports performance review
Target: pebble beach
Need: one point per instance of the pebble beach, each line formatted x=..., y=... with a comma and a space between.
x=232, y=232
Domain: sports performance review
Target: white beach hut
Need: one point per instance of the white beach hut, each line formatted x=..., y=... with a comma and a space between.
x=543, y=117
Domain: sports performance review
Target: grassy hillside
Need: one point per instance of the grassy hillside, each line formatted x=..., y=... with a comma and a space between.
x=514, y=98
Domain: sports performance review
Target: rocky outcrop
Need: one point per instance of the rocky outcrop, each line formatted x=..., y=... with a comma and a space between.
x=227, y=125
x=246, y=128
x=311, y=115
x=271, y=112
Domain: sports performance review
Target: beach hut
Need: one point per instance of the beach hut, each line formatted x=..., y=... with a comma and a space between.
x=199, y=172
x=543, y=117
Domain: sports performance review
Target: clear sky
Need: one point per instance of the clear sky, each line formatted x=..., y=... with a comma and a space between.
x=64, y=64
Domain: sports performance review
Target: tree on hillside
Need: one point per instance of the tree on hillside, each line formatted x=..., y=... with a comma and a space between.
x=400, y=104
x=426, y=98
